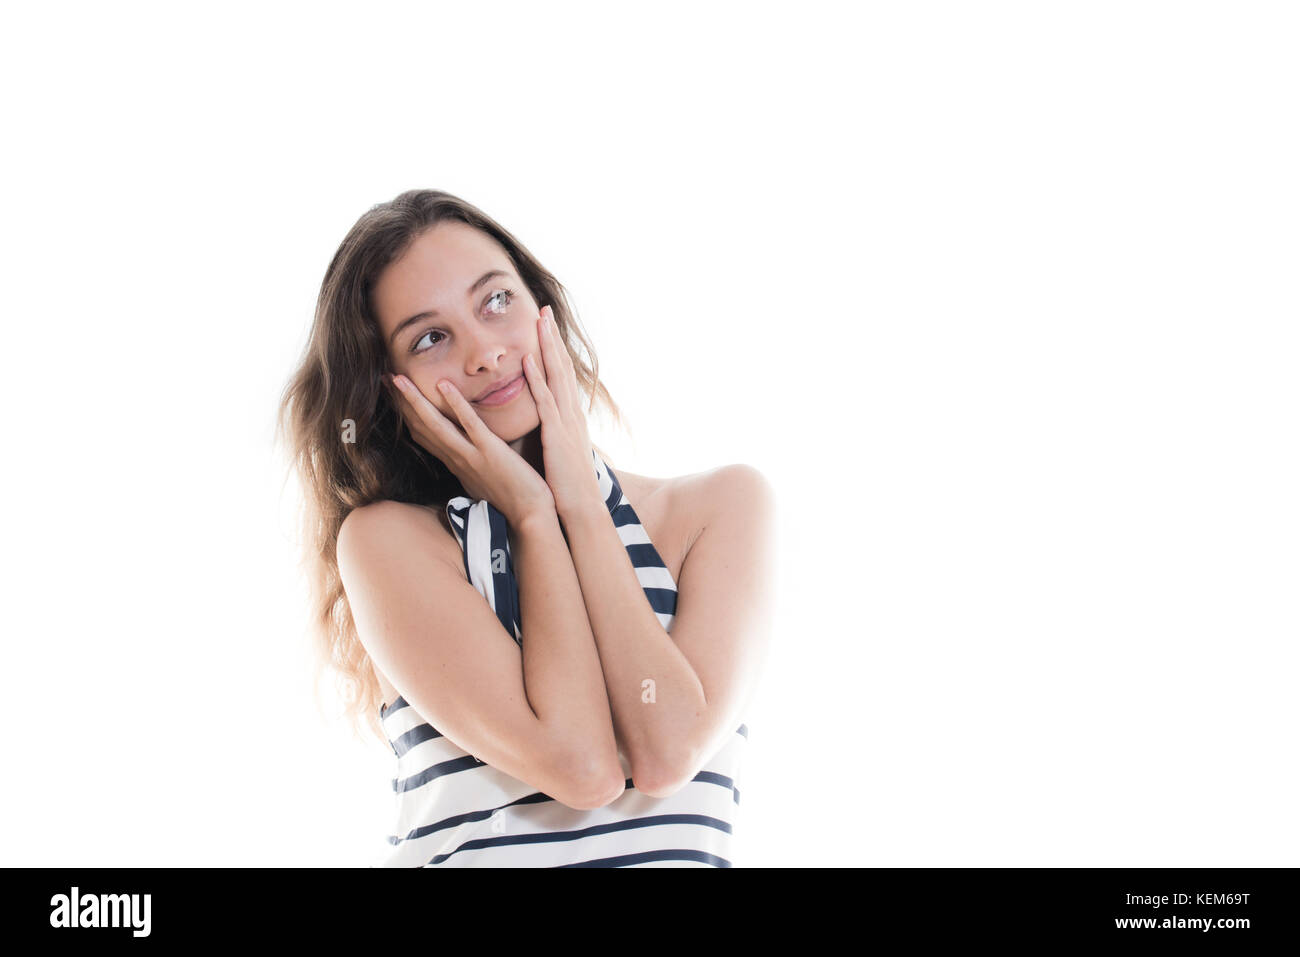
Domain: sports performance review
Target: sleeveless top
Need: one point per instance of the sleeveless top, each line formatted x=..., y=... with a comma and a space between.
x=453, y=810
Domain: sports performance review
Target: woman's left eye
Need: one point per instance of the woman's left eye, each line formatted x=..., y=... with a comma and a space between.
x=506, y=295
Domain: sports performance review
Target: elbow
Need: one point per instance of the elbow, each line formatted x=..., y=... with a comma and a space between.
x=591, y=787
x=663, y=779
x=660, y=787
x=595, y=797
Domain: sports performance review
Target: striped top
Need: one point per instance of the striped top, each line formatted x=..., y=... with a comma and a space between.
x=455, y=811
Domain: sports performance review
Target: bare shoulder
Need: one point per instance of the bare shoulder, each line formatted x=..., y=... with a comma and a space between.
x=690, y=503
x=738, y=490
x=736, y=478
x=695, y=485
x=382, y=521
x=388, y=511
x=384, y=541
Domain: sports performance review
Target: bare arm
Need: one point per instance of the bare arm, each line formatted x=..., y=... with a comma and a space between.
x=704, y=672
x=444, y=650
x=562, y=674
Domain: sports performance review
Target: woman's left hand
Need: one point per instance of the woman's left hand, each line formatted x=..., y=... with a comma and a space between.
x=566, y=446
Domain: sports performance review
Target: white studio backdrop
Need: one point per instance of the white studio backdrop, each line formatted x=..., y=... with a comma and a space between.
x=1001, y=298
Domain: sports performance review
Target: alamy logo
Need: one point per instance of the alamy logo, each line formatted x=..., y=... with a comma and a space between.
x=101, y=910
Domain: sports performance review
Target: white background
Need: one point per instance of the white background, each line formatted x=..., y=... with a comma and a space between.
x=1002, y=298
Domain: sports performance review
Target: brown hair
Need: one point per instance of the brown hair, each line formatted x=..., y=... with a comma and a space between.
x=339, y=379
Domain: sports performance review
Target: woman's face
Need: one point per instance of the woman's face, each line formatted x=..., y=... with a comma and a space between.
x=454, y=308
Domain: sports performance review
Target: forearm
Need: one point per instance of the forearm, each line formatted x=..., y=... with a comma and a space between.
x=656, y=723
x=562, y=672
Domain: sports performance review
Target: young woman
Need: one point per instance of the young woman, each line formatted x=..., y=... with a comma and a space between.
x=558, y=652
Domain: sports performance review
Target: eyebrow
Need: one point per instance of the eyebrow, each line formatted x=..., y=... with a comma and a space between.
x=430, y=313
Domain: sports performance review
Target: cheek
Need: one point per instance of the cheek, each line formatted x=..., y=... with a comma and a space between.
x=527, y=329
x=427, y=382
x=426, y=375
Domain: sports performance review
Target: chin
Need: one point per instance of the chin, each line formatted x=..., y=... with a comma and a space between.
x=513, y=430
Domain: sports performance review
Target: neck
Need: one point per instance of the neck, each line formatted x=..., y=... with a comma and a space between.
x=529, y=448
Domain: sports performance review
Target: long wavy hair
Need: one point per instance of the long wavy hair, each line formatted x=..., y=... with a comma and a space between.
x=345, y=437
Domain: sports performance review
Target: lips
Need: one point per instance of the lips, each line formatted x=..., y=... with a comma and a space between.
x=497, y=387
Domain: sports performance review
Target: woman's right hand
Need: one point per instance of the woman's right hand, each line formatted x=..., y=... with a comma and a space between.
x=487, y=467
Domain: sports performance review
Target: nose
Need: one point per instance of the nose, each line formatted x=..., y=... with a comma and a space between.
x=483, y=352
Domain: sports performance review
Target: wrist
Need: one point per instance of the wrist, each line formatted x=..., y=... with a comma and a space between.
x=534, y=519
x=587, y=511
x=586, y=500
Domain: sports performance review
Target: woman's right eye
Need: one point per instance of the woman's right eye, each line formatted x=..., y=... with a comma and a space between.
x=415, y=346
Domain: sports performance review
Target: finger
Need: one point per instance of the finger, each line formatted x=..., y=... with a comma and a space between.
x=414, y=426
x=404, y=407
x=559, y=338
x=560, y=378
x=464, y=412
x=551, y=349
x=542, y=396
x=552, y=368
x=398, y=398
x=441, y=429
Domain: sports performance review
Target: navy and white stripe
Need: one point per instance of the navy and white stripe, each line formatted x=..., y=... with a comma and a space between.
x=455, y=811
